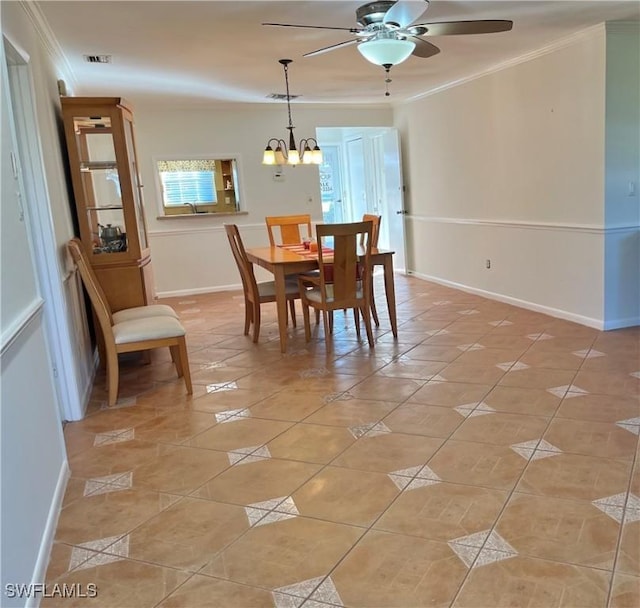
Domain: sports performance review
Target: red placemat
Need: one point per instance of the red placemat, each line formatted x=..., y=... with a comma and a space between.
x=300, y=249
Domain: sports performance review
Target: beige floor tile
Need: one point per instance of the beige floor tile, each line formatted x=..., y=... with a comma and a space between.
x=119, y=583
x=443, y=511
x=251, y=481
x=285, y=553
x=404, y=367
x=561, y=344
x=600, y=439
x=488, y=356
x=208, y=591
x=609, y=383
x=386, y=570
x=346, y=496
x=450, y=394
x=551, y=359
x=174, y=427
x=508, y=342
x=428, y=420
x=239, y=433
x=388, y=452
x=625, y=591
x=187, y=535
x=289, y=405
x=77, y=440
x=480, y=464
x=109, y=515
x=523, y=582
x=600, y=408
x=474, y=374
x=223, y=400
x=501, y=428
x=112, y=419
x=426, y=352
x=629, y=549
x=349, y=412
x=556, y=529
x=576, y=477
x=386, y=389
x=455, y=338
x=311, y=443
x=529, y=401
x=536, y=377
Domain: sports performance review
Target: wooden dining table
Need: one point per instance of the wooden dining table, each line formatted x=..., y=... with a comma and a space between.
x=281, y=262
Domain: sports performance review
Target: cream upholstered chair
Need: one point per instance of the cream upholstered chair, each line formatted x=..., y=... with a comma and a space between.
x=255, y=293
x=344, y=278
x=289, y=226
x=135, y=329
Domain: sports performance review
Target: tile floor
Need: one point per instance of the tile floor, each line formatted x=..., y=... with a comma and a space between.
x=488, y=457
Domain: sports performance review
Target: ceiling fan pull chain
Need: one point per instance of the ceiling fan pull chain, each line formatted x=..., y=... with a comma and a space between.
x=387, y=80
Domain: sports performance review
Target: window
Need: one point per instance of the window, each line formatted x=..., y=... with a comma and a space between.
x=199, y=186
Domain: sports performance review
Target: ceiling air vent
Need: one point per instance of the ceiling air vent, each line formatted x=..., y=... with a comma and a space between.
x=97, y=58
x=281, y=96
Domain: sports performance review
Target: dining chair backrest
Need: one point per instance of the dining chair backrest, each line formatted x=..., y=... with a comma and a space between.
x=289, y=226
x=375, y=220
x=91, y=284
x=245, y=267
x=348, y=265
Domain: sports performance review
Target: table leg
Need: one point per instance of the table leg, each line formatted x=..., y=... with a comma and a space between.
x=281, y=303
x=390, y=292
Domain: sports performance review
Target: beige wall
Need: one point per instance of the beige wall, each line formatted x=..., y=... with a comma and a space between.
x=510, y=167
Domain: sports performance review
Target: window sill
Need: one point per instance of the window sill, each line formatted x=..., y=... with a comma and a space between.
x=187, y=216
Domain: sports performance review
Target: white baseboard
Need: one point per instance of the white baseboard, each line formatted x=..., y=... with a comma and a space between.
x=42, y=562
x=199, y=290
x=547, y=310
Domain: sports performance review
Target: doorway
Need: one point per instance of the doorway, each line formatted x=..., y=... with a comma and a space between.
x=362, y=173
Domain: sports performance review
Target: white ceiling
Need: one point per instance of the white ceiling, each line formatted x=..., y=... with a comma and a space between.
x=183, y=52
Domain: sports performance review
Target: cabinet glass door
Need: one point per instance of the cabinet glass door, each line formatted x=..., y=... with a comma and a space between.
x=136, y=185
x=101, y=183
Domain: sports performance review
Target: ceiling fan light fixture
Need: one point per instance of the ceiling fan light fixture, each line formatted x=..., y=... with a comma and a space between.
x=291, y=156
x=386, y=51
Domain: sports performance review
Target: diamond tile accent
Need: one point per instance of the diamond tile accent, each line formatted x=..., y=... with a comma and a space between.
x=561, y=391
x=327, y=593
x=541, y=336
x=490, y=556
x=270, y=511
x=121, y=403
x=255, y=452
x=632, y=425
x=513, y=366
x=635, y=374
x=414, y=477
x=400, y=481
x=466, y=553
x=484, y=547
x=614, y=507
x=442, y=303
x=314, y=372
x=463, y=410
x=470, y=311
x=232, y=415
x=500, y=323
x=419, y=482
x=525, y=449
x=87, y=555
x=588, y=353
x=219, y=387
x=117, y=436
x=535, y=449
x=469, y=347
x=109, y=483
x=438, y=378
x=482, y=410
x=369, y=430
x=300, y=590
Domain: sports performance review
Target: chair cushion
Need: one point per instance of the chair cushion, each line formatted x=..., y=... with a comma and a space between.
x=314, y=295
x=151, y=328
x=268, y=288
x=144, y=312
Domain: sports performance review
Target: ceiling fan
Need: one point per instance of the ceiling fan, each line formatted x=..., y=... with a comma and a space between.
x=387, y=32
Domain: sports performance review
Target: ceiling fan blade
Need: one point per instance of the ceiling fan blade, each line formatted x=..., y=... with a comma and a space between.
x=450, y=28
x=423, y=48
x=353, y=30
x=405, y=12
x=326, y=49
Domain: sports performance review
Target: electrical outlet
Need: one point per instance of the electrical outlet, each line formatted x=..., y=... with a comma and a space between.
x=487, y=263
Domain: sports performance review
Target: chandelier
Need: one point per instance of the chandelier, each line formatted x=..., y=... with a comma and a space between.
x=281, y=155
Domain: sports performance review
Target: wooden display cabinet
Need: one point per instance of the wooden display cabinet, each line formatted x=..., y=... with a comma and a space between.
x=108, y=196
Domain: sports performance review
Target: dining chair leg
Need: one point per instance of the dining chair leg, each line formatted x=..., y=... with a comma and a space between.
x=374, y=312
x=256, y=323
x=330, y=315
x=307, y=322
x=317, y=316
x=248, y=316
x=184, y=364
x=175, y=355
x=327, y=320
x=112, y=376
x=292, y=308
x=356, y=318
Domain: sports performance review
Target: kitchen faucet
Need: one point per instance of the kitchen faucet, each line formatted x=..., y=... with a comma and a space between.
x=193, y=207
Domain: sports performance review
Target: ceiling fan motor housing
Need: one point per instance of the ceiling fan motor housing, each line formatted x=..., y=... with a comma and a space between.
x=373, y=12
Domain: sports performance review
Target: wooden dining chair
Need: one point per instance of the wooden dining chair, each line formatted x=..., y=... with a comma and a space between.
x=256, y=293
x=344, y=277
x=135, y=329
x=375, y=220
x=289, y=228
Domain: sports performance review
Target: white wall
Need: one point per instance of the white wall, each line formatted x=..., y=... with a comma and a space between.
x=190, y=253
x=622, y=177
x=510, y=167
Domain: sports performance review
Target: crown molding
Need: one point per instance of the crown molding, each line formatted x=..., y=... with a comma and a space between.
x=545, y=50
x=50, y=42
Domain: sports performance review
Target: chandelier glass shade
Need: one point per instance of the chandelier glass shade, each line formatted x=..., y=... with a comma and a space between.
x=386, y=51
x=278, y=153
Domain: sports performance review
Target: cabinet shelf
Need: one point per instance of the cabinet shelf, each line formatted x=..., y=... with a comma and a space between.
x=97, y=165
